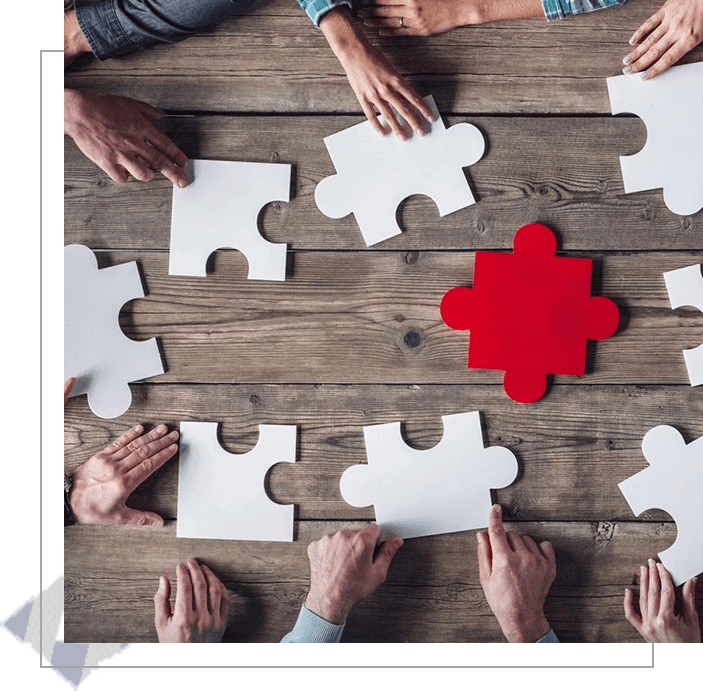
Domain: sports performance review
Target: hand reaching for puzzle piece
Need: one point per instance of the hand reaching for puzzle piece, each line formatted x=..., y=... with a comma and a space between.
x=102, y=485
x=343, y=570
x=516, y=574
x=201, y=608
x=118, y=134
x=671, y=32
x=656, y=621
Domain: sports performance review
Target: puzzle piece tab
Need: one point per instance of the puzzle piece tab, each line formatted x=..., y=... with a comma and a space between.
x=685, y=287
x=220, y=208
x=673, y=482
x=445, y=489
x=672, y=109
x=222, y=495
x=530, y=313
x=96, y=351
x=375, y=174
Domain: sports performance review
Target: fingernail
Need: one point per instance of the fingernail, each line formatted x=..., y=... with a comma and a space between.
x=183, y=182
x=497, y=509
x=632, y=40
x=480, y=536
x=161, y=429
x=627, y=59
x=627, y=70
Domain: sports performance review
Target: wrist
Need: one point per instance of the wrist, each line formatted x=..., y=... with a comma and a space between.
x=526, y=629
x=327, y=607
x=342, y=32
x=71, y=101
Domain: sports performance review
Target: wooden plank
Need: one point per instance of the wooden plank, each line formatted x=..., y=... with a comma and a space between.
x=563, y=172
x=273, y=59
x=373, y=317
x=432, y=593
x=573, y=447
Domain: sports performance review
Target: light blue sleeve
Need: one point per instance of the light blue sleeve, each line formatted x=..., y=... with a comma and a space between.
x=558, y=9
x=309, y=628
x=317, y=9
x=550, y=637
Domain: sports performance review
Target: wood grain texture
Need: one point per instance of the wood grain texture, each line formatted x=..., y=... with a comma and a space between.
x=573, y=447
x=432, y=593
x=563, y=172
x=373, y=317
x=273, y=59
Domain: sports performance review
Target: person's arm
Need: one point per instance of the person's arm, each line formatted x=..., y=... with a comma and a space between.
x=656, y=620
x=201, y=608
x=376, y=82
x=516, y=574
x=429, y=17
x=671, y=32
x=343, y=570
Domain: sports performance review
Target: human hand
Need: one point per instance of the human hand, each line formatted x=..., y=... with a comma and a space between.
x=67, y=388
x=516, y=575
x=102, y=485
x=670, y=33
x=656, y=621
x=343, y=570
x=119, y=135
x=378, y=85
x=429, y=17
x=202, y=606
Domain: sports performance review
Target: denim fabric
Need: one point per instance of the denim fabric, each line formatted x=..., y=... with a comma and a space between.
x=116, y=27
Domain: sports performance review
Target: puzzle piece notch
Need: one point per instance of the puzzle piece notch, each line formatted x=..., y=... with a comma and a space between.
x=543, y=299
x=222, y=495
x=96, y=351
x=375, y=174
x=220, y=208
x=670, y=107
x=439, y=490
x=673, y=482
x=685, y=288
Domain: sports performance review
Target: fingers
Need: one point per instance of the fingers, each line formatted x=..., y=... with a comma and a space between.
x=646, y=28
x=184, y=590
x=496, y=531
x=644, y=590
x=548, y=553
x=127, y=516
x=123, y=441
x=214, y=590
x=484, y=556
x=667, y=597
x=385, y=555
x=160, y=452
x=162, y=604
x=690, y=613
x=67, y=388
x=630, y=612
x=200, y=586
x=653, y=591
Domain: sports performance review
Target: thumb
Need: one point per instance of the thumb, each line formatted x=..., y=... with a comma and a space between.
x=162, y=604
x=385, y=555
x=689, y=600
x=150, y=111
x=133, y=517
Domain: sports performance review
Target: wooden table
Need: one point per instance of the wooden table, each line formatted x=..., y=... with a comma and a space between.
x=353, y=336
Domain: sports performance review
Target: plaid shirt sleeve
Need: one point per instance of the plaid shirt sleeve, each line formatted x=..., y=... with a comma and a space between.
x=558, y=9
x=317, y=9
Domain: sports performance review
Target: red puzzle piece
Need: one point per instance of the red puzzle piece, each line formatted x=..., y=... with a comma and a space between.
x=530, y=313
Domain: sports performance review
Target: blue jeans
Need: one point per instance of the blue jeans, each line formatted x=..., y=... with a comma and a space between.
x=116, y=27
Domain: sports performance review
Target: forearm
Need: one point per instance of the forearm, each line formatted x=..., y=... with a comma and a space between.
x=344, y=35
x=483, y=11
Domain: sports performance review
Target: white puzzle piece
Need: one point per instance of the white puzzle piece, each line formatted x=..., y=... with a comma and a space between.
x=444, y=489
x=375, y=174
x=671, y=106
x=96, y=351
x=673, y=482
x=220, y=208
x=221, y=495
x=685, y=287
